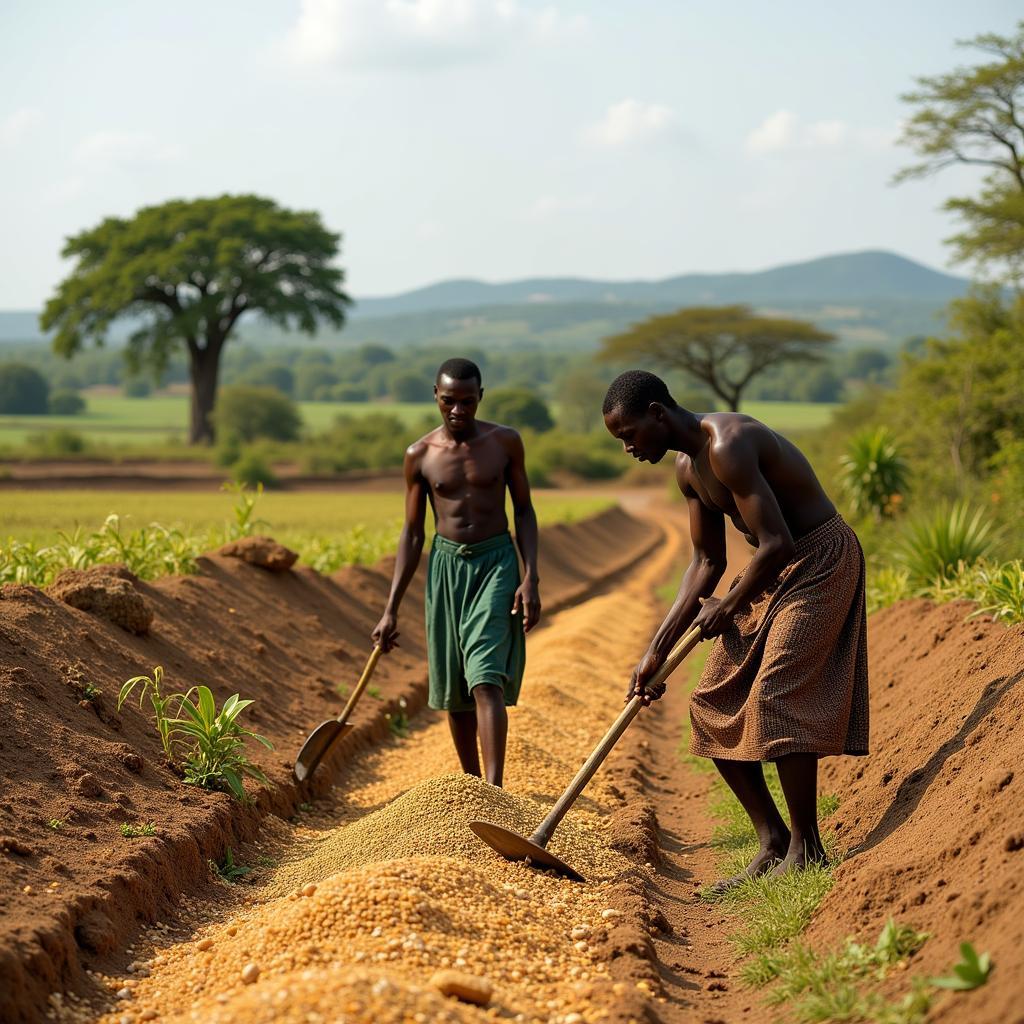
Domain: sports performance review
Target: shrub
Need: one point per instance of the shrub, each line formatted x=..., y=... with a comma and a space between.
x=137, y=387
x=933, y=548
x=411, y=387
x=518, y=408
x=375, y=441
x=66, y=403
x=57, y=442
x=874, y=475
x=349, y=393
x=590, y=456
x=252, y=469
x=251, y=413
x=270, y=375
x=23, y=390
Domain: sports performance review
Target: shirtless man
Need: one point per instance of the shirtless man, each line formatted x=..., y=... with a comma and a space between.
x=786, y=680
x=476, y=649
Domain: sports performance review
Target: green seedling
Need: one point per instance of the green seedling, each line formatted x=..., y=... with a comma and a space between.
x=246, y=522
x=374, y=692
x=398, y=723
x=342, y=691
x=229, y=871
x=160, y=704
x=90, y=692
x=218, y=759
x=130, y=831
x=305, y=808
x=972, y=971
x=56, y=824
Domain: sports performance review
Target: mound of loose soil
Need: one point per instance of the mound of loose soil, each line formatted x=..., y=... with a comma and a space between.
x=262, y=551
x=109, y=591
x=933, y=820
x=72, y=887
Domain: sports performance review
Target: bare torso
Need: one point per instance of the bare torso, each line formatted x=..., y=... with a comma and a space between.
x=801, y=498
x=466, y=480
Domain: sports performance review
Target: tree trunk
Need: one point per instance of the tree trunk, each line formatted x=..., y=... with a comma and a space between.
x=205, y=365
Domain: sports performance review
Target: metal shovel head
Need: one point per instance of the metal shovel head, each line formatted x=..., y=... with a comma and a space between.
x=513, y=846
x=316, y=746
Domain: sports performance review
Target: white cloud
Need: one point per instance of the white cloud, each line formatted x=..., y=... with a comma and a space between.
x=547, y=207
x=630, y=122
x=785, y=132
x=105, y=149
x=15, y=127
x=415, y=32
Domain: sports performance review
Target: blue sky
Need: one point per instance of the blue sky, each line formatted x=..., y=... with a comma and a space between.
x=482, y=138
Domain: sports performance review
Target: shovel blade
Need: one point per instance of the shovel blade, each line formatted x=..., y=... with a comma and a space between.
x=513, y=846
x=317, y=744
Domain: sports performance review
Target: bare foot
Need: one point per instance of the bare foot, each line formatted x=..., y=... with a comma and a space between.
x=767, y=858
x=800, y=858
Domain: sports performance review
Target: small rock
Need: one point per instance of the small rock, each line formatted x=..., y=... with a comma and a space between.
x=264, y=552
x=581, y=931
x=466, y=987
x=148, y=1015
x=581, y=946
x=124, y=993
x=611, y=914
x=1014, y=842
x=88, y=786
x=308, y=889
x=250, y=972
x=204, y=944
x=521, y=894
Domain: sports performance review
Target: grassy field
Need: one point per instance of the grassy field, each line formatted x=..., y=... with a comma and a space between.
x=38, y=515
x=148, y=422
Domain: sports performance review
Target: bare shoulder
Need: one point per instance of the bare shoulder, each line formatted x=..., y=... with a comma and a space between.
x=507, y=437
x=419, y=448
x=733, y=432
x=684, y=472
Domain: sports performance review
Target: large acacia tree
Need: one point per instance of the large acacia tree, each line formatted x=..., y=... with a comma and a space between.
x=975, y=115
x=724, y=347
x=186, y=271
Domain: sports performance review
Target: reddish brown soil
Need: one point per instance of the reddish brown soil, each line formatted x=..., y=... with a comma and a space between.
x=72, y=895
x=933, y=821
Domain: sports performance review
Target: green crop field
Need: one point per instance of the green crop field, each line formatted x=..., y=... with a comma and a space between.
x=118, y=422
x=38, y=515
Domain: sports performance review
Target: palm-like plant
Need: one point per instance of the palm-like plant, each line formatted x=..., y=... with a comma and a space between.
x=935, y=548
x=874, y=475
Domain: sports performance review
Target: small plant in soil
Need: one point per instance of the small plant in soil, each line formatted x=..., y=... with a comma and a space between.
x=374, y=692
x=972, y=971
x=56, y=824
x=246, y=522
x=90, y=692
x=130, y=831
x=305, y=808
x=218, y=759
x=228, y=870
x=398, y=723
x=208, y=744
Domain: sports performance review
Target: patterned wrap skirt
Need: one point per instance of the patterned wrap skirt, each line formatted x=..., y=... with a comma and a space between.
x=790, y=674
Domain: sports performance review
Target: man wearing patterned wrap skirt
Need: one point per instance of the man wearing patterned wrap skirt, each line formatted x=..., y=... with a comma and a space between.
x=786, y=680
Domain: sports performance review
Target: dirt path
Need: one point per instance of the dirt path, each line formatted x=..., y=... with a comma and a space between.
x=380, y=883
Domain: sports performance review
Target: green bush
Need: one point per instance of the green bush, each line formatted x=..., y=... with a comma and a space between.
x=253, y=469
x=518, y=408
x=349, y=393
x=57, y=442
x=23, y=390
x=375, y=441
x=137, y=387
x=252, y=413
x=933, y=548
x=411, y=387
x=270, y=375
x=66, y=403
x=588, y=456
x=874, y=475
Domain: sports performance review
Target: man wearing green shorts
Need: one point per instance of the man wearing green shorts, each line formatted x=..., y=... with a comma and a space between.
x=477, y=610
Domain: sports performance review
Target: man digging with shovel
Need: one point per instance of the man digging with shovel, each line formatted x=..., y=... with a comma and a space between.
x=477, y=610
x=787, y=678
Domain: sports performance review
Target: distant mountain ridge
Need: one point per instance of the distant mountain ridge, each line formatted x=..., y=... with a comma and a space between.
x=846, y=277
x=873, y=297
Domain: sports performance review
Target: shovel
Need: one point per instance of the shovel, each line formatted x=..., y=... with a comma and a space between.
x=322, y=738
x=513, y=846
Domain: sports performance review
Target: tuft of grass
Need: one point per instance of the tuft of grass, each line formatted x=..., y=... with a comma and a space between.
x=374, y=692
x=398, y=723
x=228, y=870
x=56, y=824
x=130, y=831
x=90, y=692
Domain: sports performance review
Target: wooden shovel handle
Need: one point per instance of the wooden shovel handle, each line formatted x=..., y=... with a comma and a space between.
x=371, y=664
x=601, y=751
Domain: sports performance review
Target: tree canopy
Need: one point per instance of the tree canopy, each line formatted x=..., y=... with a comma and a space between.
x=724, y=347
x=975, y=115
x=185, y=271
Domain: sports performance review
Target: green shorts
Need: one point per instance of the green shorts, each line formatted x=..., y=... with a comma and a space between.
x=472, y=636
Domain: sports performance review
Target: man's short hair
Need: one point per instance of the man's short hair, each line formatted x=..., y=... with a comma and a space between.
x=459, y=369
x=633, y=391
